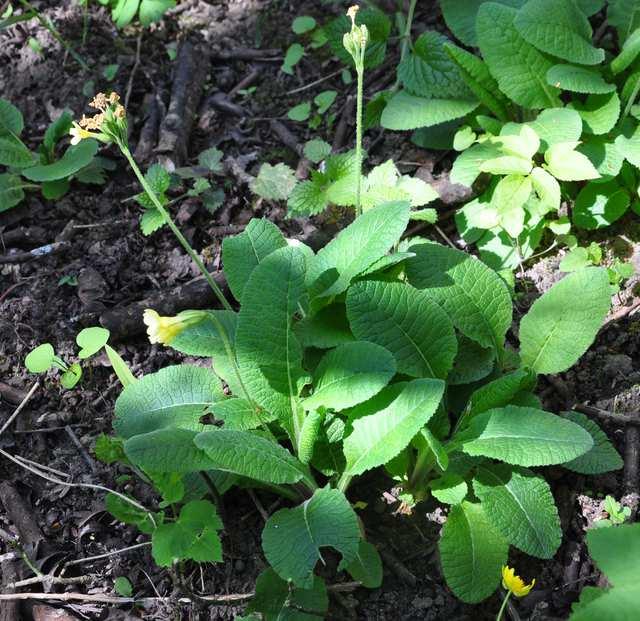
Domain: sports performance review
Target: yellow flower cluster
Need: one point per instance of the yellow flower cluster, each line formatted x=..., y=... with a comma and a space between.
x=515, y=584
x=110, y=110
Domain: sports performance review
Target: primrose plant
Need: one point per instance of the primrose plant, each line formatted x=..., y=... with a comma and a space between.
x=365, y=356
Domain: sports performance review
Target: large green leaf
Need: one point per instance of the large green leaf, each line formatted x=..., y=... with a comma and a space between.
x=249, y=455
x=292, y=538
x=429, y=72
x=474, y=296
x=405, y=321
x=603, y=457
x=71, y=162
x=519, y=68
x=407, y=111
x=379, y=437
x=560, y=29
x=556, y=331
x=472, y=553
x=241, y=253
x=359, y=245
x=239, y=414
x=615, y=551
x=167, y=450
x=350, y=374
x=599, y=205
x=153, y=10
x=460, y=16
x=367, y=566
x=521, y=507
x=524, y=436
x=268, y=353
x=175, y=396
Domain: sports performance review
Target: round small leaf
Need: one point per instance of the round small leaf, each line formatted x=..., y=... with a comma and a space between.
x=40, y=359
x=91, y=340
x=302, y=24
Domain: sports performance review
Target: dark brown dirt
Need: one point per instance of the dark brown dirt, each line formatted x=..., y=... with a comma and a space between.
x=115, y=264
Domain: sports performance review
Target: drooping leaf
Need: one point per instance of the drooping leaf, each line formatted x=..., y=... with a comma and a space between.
x=556, y=331
x=350, y=374
x=11, y=119
x=475, y=297
x=521, y=507
x=249, y=455
x=175, y=396
x=405, y=321
x=292, y=538
x=524, y=436
x=379, y=437
x=242, y=253
x=472, y=553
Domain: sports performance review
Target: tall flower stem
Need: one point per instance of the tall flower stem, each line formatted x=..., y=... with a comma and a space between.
x=359, y=106
x=174, y=229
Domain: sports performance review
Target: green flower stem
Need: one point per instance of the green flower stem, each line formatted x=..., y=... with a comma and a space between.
x=176, y=231
x=424, y=463
x=406, y=38
x=360, y=96
x=503, y=607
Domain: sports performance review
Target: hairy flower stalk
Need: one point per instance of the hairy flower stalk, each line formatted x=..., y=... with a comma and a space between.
x=355, y=42
x=110, y=125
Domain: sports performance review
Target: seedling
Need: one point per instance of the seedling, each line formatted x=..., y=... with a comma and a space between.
x=618, y=514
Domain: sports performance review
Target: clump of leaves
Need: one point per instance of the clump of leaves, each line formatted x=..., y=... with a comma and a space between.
x=46, y=170
x=364, y=356
x=537, y=62
x=618, y=513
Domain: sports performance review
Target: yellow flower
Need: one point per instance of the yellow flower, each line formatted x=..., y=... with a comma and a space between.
x=165, y=329
x=78, y=134
x=515, y=584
